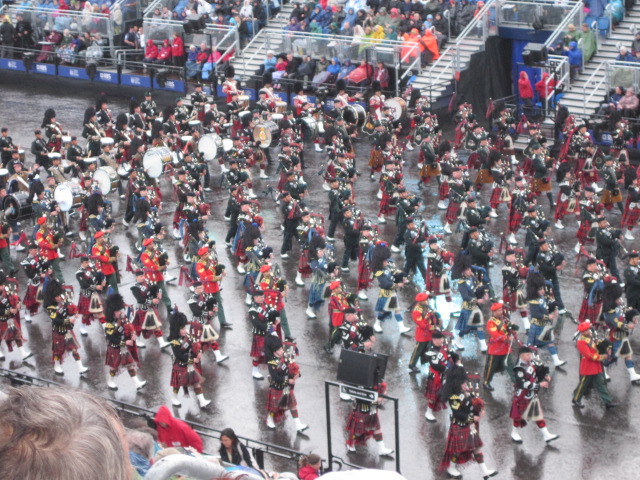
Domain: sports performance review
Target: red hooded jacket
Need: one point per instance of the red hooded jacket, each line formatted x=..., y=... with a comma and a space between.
x=524, y=86
x=165, y=51
x=177, y=433
x=308, y=473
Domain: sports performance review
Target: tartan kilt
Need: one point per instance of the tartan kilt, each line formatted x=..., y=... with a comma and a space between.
x=239, y=249
x=138, y=321
x=431, y=394
x=84, y=220
x=385, y=205
x=515, y=219
x=10, y=334
x=83, y=305
x=587, y=177
x=496, y=193
x=387, y=304
x=29, y=301
x=460, y=444
x=365, y=274
x=583, y=231
x=562, y=208
x=452, y=212
x=118, y=357
x=282, y=181
x=484, y=176
x=433, y=285
x=278, y=402
x=182, y=377
x=629, y=219
x=376, y=160
x=303, y=264
x=61, y=344
x=518, y=407
x=316, y=294
x=589, y=312
x=538, y=185
x=361, y=426
x=472, y=161
x=510, y=298
x=257, y=347
x=609, y=197
x=443, y=191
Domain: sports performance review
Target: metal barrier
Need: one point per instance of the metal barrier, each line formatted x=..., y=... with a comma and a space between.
x=574, y=15
x=289, y=456
x=97, y=24
x=522, y=14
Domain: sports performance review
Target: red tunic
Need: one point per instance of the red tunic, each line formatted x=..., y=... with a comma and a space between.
x=101, y=253
x=499, y=338
x=590, y=363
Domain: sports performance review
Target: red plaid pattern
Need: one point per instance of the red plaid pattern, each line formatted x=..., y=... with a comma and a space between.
x=515, y=220
x=431, y=394
x=630, y=218
x=460, y=445
x=443, y=191
x=257, y=348
x=62, y=345
x=303, y=264
x=589, y=312
x=29, y=300
x=361, y=426
x=452, y=212
x=182, y=377
x=116, y=358
x=365, y=275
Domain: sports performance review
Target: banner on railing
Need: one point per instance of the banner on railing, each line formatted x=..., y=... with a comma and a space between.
x=7, y=64
x=107, y=77
x=44, y=68
x=135, y=80
x=73, y=72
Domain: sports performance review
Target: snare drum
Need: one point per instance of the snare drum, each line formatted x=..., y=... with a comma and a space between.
x=266, y=133
x=281, y=107
x=243, y=100
x=209, y=145
x=21, y=155
x=397, y=107
x=195, y=125
x=16, y=206
x=66, y=166
x=309, y=128
x=276, y=117
x=66, y=141
x=124, y=170
x=107, y=179
x=4, y=175
x=68, y=195
x=54, y=156
x=176, y=158
x=154, y=160
x=243, y=114
x=106, y=141
x=355, y=114
x=185, y=139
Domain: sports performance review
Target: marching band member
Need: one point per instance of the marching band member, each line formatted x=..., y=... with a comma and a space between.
x=439, y=358
x=203, y=308
x=89, y=303
x=500, y=345
x=105, y=259
x=37, y=269
x=146, y=317
x=10, y=328
x=121, y=342
x=427, y=321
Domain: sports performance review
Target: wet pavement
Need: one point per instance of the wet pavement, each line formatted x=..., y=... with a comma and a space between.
x=593, y=443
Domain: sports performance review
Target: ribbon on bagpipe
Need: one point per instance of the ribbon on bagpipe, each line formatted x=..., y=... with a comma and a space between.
x=597, y=286
x=452, y=102
x=522, y=124
x=74, y=251
x=130, y=265
x=564, y=151
x=491, y=106
x=185, y=277
x=21, y=239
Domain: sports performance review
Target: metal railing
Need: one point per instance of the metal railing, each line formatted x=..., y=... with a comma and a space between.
x=522, y=14
x=592, y=87
x=575, y=15
x=447, y=67
x=282, y=457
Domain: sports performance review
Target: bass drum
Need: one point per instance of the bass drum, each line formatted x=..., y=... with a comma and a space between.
x=209, y=145
x=267, y=134
x=355, y=114
x=154, y=160
x=124, y=170
x=68, y=195
x=107, y=179
x=309, y=128
x=16, y=206
x=397, y=107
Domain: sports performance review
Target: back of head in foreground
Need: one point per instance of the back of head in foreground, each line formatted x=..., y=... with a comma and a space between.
x=59, y=434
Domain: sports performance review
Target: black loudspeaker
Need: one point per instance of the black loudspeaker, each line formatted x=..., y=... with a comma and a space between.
x=535, y=54
x=361, y=369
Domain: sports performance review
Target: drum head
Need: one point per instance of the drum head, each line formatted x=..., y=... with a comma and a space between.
x=106, y=141
x=208, y=146
x=4, y=172
x=152, y=164
x=66, y=139
x=277, y=117
x=104, y=180
x=309, y=127
x=16, y=207
x=227, y=144
x=124, y=170
x=64, y=196
x=394, y=108
x=350, y=115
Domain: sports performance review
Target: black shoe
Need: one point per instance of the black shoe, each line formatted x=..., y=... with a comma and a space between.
x=13, y=272
x=487, y=386
x=414, y=369
x=328, y=349
x=226, y=325
x=611, y=405
x=577, y=403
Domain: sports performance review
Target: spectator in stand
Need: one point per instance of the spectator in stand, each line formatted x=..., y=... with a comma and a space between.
x=575, y=59
x=297, y=12
x=441, y=29
x=204, y=52
x=164, y=54
x=612, y=105
x=191, y=64
x=381, y=74
x=280, y=70
x=293, y=25
x=346, y=30
x=131, y=38
x=628, y=104
x=479, y=6
x=292, y=65
x=307, y=69
x=429, y=47
x=6, y=38
x=269, y=64
x=349, y=18
x=175, y=433
x=394, y=19
x=361, y=75
x=346, y=68
x=635, y=45
x=150, y=52
x=410, y=46
x=157, y=14
x=177, y=50
x=625, y=56
x=166, y=13
x=141, y=450
x=545, y=89
x=361, y=17
x=234, y=452
x=405, y=8
x=462, y=15
x=321, y=71
x=339, y=15
x=588, y=42
x=334, y=70
x=309, y=467
x=526, y=92
x=572, y=35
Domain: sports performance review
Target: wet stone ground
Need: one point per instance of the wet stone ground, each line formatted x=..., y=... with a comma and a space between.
x=593, y=443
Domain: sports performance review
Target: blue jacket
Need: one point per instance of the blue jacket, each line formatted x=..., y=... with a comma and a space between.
x=575, y=55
